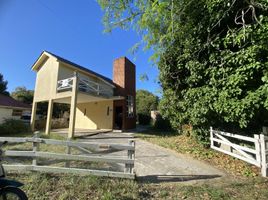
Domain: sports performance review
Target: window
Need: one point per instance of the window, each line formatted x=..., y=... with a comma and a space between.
x=130, y=106
x=16, y=112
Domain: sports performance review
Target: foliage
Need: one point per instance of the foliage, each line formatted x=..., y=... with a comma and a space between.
x=161, y=124
x=146, y=102
x=3, y=85
x=26, y=96
x=13, y=126
x=58, y=109
x=220, y=83
x=144, y=119
x=23, y=95
x=212, y=57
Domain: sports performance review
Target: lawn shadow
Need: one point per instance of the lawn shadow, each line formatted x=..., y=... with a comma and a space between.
x=173, y=178
x=151, y=131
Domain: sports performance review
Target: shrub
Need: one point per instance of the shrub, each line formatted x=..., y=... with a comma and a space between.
x=13, y=126
x=161, y=123
x=144, y=119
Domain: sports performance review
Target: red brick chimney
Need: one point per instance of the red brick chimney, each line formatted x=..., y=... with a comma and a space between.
x=124, y=76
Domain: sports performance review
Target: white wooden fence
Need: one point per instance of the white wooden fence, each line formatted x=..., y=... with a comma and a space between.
x=88, y=152
x=255, y=152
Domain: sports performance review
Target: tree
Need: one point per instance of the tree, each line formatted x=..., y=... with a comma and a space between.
x=3, y=85
x=23, y=95
x=146, y=102
x=212, y=57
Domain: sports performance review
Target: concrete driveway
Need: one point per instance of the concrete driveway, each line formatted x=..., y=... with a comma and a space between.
x=157, y=164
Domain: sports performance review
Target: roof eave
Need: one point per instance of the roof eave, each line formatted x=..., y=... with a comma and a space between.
x=39, y=60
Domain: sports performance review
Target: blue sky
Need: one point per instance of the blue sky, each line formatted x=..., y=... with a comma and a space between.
x=71, y=29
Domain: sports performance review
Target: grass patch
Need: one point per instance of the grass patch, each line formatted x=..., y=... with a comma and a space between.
x=42, y=186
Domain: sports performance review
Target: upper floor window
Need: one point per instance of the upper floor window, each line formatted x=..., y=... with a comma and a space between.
x=130, y=106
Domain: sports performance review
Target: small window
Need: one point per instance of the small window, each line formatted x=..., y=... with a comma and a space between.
x=16, y=112
x=130, y=106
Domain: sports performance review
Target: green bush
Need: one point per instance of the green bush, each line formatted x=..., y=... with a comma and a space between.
x=144, y=119
x=162, y=124
x=13, y=126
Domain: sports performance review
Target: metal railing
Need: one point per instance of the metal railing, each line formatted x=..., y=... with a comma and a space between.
x=85, y=85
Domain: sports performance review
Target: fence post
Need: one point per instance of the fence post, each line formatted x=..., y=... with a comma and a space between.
x=68, y=151
x=35, y=147
x=211, y=137
x=265, y=130
x=257, y=144
x=129, y=168
x=264, y=148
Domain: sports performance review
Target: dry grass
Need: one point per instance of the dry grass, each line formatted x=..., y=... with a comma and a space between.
x=188, y=145
x=41, y=186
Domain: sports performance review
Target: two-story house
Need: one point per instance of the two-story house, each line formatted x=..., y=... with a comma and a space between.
x=96, y=102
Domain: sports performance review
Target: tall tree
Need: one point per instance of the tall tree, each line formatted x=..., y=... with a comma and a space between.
x=3, y=85
x=146, y=102
x=212, y=57
x=23, y=94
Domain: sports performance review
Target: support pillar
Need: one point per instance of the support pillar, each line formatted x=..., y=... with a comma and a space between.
x=73, y=106
x=49, y=116
x=33, y=115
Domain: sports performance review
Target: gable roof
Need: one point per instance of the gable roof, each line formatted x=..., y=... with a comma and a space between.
x=84, y=69
x=8, y=101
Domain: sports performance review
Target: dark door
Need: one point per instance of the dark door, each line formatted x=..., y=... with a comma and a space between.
x=118, y=117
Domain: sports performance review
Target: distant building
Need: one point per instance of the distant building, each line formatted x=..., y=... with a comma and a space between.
x=12, y=109
x=155, y=114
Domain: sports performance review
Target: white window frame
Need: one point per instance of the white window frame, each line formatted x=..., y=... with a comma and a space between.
x=130, y=106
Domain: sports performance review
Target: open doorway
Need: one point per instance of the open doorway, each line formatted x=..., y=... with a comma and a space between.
x=118, y=122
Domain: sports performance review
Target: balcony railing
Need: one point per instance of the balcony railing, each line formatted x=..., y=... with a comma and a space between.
x=85, y=85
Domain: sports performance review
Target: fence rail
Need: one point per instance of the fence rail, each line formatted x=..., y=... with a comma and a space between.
x=89, y=152
x=255, y=153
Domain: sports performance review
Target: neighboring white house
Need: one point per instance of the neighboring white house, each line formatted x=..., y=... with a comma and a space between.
x=12, y=109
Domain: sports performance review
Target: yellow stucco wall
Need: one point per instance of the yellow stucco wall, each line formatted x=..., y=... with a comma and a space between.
x=93, y=115
x=6, y=113
x=65, y=72
x=46, y=80
x=48, y=75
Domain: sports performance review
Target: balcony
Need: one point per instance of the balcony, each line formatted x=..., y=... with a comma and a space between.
x=85, y=85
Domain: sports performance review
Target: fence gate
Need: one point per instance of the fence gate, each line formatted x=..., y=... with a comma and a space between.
x=79, y=157
x=255, y=153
